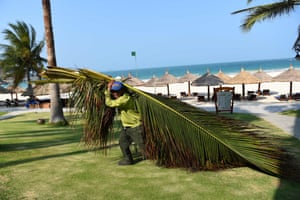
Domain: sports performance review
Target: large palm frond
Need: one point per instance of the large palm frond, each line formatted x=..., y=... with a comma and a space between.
x=267, y=11
x=177, y=134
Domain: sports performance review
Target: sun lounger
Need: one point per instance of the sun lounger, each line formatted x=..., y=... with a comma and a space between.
x=200, y=98
x=266, y=92
x=296, y=96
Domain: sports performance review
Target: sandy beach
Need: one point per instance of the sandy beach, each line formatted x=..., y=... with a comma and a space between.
x=276, y=89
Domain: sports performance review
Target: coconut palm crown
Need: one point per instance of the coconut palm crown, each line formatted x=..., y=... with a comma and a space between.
x=267, y=11
x=176, y=134
x=270, y=11
x=21, y=56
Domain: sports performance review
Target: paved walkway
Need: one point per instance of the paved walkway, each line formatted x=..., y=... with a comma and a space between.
x=14, y=111
x=266, y=110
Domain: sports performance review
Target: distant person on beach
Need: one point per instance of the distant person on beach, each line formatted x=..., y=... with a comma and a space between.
x=33, y=100
x=117, y=97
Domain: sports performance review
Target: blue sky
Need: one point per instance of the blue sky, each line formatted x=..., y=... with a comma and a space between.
x=100, y=35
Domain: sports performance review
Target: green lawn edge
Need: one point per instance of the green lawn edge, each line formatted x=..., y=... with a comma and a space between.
x=50, y=162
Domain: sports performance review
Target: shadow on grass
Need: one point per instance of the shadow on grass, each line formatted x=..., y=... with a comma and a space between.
x=42, y=130
x=284, y=190
x=37, y=144
x=22, y=161
x=34, y=133
x=17, y=162
x=42, y=138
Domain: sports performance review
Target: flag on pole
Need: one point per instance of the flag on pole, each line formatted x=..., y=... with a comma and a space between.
x=133, y=53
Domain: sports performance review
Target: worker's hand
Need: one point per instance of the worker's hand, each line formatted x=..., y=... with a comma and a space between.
x=110, y=84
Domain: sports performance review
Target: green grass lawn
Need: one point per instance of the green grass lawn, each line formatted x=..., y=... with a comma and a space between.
x=293, y=113
x=49, y=162
x=2, y=113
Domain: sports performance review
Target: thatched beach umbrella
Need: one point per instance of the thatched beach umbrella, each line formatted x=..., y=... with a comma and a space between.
x=243, y=78
x=223, y=77
x=27, y=93
x=41, y=90
x=188, y=77
x=166, y=79
x=263, y=77
x=133, y=81
x=44, y=89
x=289, y=75
x=15, y=90
x=208, y=80
x=151, y=82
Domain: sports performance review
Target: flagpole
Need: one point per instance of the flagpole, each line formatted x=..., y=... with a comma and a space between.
x=133, y=53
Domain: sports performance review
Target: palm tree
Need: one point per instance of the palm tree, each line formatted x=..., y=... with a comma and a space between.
x=176, y=134
x=57, y=115
x=296, y=46
x=21, y=56
x=269, y=11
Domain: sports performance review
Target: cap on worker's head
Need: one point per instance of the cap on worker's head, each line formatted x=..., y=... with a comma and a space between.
x=116, y=86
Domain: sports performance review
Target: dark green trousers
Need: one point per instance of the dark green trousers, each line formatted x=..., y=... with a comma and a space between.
x=129, y=135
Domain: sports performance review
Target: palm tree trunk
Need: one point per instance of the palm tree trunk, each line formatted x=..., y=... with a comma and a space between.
x=29, y=86
x=57, y=115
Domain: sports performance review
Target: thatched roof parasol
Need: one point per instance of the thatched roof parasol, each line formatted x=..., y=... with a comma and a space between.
x=16, y=90
x=262, y=76
x=133, y=81
x=166, y=79
x=41, y=90
x=289, y=75
x=151, y=82
x=243, y=78
x=223, y=77
x=44, y=89
x=187, y=77
x=208, y=80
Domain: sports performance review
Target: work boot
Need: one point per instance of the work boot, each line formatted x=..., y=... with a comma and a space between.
x=126, y=161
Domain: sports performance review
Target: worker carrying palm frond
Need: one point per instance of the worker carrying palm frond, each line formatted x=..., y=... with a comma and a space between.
x=175, y=134
x=117, y=97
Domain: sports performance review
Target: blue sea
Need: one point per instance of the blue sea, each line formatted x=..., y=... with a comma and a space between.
x=229, y=68
x=200, y=69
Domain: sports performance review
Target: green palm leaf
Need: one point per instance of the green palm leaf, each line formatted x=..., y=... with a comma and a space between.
x=267, y=11
x=177, y=134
